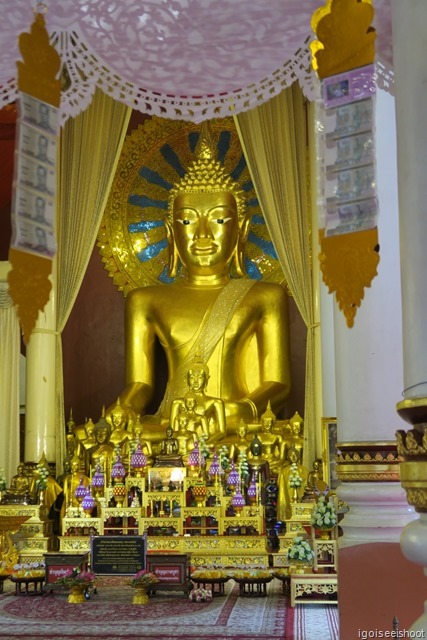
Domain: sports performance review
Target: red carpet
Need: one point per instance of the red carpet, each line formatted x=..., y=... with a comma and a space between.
x=110, y=615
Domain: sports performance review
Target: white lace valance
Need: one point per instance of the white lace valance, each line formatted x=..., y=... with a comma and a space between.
x=181, y=59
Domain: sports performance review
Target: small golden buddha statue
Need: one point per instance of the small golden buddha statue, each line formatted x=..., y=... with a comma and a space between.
x=200, y=411
x=20, y=490
x=168, y=455
x=241, y=443
x=284, y=496
x=52, y=490
x=103, y=451
x=71, y=482
x=186, y=438
x=118, y=422
x=270, y=442
x=296, y=439
x=137, y=438
x=238, y=326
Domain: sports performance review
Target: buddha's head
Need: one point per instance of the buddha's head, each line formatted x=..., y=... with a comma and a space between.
x=268, y=418
x=118, y=415
x=296, y=424
x=102, y=432
x=169, y=432
x=197, y=376
x=74, y=464
x=89, y=428
x=206, y=223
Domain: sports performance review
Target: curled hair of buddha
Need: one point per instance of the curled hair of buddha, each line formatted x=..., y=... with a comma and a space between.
x=206, y=174
x=198, y=364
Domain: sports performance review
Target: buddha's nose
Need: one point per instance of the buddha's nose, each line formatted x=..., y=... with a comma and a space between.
x=203, y=228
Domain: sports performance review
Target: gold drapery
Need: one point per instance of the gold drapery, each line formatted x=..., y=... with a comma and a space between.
x=90, y=149
x=274, y=140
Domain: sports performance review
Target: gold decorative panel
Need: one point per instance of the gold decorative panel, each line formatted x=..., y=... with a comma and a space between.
x=349, y=264
x=345, y=38
x=38, y=72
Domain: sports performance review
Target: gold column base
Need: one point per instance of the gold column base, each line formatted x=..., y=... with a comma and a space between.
x=367, y=462
x=412, y=447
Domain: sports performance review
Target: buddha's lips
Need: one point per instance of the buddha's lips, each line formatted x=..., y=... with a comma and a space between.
x=205, y=248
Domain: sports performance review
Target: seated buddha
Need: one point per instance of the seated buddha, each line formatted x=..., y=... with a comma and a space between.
x=206, y=415
x=185, y=437
x=237, y=326
x=168, y=455
x=20, y=488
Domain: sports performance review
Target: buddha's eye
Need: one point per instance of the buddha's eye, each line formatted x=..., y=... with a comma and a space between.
x=185, y=222
x=220, y=220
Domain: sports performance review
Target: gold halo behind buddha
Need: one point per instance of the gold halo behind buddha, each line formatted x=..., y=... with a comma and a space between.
x=156, y=156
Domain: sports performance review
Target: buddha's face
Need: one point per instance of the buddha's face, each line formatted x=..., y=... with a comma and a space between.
x=182, y=421
x=197, y=381
x=117, y=417
x=101, y=435
x=267, y=423
x=206, y=230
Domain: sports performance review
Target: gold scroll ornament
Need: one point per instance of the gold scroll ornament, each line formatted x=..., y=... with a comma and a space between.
x=29, y=282
x=345, y=41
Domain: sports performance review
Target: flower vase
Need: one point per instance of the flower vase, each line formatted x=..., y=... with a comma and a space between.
x=77, y=594
x=140, y=596
x=325, y=533
x=299, y=566
x=294, y=494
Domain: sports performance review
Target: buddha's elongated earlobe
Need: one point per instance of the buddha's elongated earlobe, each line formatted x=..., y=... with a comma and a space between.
x=239, y=253
x=173, y=253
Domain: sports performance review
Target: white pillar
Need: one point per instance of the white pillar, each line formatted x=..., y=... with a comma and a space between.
x=41, y=387
x=368, y=360
x=409, y=53
x=409, y=20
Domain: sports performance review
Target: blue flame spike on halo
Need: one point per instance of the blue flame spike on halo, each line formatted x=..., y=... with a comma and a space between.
x=172, y=159
x=145, y=201
x=165, y=277
x=240, y=166
x=247, y=186
x=152, y=250
x=192, y=140
x=252, y=269
x=144, y=225
x=155, y=178
x=265, y=245
x=223, y=145
x=257, y=219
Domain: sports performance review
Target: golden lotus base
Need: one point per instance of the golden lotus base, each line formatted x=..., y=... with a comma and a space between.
x=140, y=596
x=77, y=595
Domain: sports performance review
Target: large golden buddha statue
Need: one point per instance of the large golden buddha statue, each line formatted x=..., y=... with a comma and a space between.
x=237, y=326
